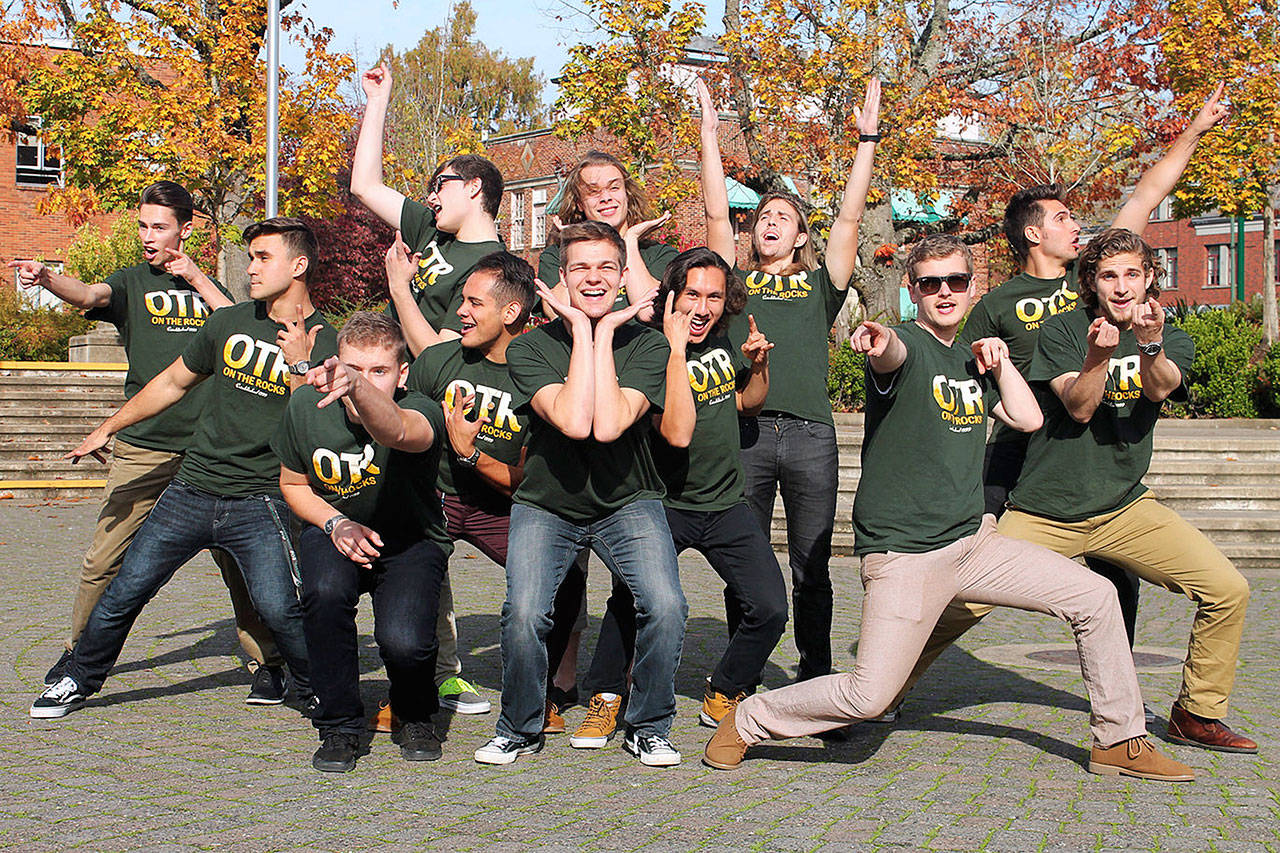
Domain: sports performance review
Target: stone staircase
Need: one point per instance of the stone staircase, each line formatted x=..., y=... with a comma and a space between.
x=1223, y=476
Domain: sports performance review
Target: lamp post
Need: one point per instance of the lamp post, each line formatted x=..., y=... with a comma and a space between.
x=273, y=107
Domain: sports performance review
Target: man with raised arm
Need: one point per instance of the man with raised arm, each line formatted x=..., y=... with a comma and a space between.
x=589, y=379
x=924, y=538
x=157, y=305
x=226, y=493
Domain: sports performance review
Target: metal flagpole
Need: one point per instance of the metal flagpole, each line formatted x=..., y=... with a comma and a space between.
x=273, y=106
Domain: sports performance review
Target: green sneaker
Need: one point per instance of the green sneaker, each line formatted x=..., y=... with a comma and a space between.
x=458, y=694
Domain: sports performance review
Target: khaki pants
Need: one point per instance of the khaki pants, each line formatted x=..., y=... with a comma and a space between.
x=1158, y=545
x=134, y=482
x=905, y=594
x=447, y=663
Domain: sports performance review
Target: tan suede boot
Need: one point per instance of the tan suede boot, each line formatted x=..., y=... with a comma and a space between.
x=725, y=749
x=1138, y=758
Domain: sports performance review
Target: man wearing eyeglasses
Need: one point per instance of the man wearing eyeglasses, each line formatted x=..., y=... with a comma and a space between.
x=925, y=540
x=443, y=238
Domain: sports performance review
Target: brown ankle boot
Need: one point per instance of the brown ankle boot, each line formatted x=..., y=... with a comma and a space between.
x=1138, y=758
x=725, y=749
x=1193, y=730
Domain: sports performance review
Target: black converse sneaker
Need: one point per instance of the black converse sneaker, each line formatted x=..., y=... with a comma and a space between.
x=651, y=748
x=505, y=750
x=59, y=700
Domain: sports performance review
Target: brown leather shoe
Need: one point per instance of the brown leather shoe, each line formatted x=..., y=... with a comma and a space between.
x=553, y=723
x=1193, y=730
x=725, y=749
x=1138, y=758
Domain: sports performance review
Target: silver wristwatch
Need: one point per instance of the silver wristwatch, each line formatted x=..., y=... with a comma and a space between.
x=332, y=523
x=470, y=461
x=1152, y=349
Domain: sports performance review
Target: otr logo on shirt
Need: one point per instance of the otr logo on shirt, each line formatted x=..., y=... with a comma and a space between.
x=1127, y=378
x=175, y=308
x=502, y=423
x=357, y=469
x=1032, y=311
x=712, y=376
x=771, y=286
x=431, y=266
x=960, y=401
x=255, y=364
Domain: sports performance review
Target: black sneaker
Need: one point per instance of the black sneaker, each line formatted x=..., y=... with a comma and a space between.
x=337, y=754
x=504, y=750
x=268, y=687
x=651, y=748
x=59, y=669
x=58, y=700
x=418, y=742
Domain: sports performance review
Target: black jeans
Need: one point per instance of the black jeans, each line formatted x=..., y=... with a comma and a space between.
x=737, y=549
x=404, y=583
x=798, y=457
x=1000, y=471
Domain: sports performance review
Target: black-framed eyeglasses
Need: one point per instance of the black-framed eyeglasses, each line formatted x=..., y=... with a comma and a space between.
x=931, y=284
x=438, y=182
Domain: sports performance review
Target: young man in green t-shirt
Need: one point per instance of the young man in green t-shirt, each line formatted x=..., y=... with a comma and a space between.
x=589, y=380
x=360, y=477
x=1044, y=237
x=226, y=492
x=157, y=305
x=1106, y=369
x=924, y=538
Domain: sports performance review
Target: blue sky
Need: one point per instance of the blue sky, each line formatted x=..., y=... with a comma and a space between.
x=516, y=28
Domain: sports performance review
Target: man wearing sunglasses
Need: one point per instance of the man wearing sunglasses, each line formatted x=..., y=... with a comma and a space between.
x=924, y=538
x=443, y=238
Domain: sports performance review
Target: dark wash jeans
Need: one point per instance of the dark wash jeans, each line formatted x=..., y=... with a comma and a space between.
x=635, y=543
x=404, y=582
x=799, y=458
x=734, y=545
x=1002, y=465
x=185, y=520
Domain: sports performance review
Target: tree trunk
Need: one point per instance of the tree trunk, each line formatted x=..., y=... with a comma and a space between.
x=1269, y=319
x=880, y=281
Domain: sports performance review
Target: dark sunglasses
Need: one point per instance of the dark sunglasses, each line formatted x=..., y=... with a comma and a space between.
x=438, y=182
x=931, y=284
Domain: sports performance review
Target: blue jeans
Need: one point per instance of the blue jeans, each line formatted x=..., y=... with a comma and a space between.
x=635, y=543
x=800, y=457
x=184, y=521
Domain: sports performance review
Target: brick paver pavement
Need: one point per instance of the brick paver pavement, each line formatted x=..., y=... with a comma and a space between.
x=169, y=758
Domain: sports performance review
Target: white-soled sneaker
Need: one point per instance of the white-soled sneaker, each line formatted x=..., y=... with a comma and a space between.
x=651, y=748
x=59, y=700
x=505, y=750
x=459, y=695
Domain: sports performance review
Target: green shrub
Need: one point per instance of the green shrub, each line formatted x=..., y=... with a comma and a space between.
x=36, y=334
x=94, y=255
x=846, y=379
x=1222, y=381
x=1269, y=383
x=338, y=311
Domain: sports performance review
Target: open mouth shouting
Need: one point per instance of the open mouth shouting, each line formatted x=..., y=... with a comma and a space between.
x=699, y=325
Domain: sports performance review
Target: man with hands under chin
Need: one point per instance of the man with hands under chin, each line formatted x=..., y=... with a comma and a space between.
x=924, y=539
x=358, y=459
x=1107, y=368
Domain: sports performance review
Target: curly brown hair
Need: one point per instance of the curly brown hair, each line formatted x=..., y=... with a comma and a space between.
x=1108, y=244
x=572, y=209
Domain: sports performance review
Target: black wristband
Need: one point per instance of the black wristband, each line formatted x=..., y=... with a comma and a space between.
x=868, y=137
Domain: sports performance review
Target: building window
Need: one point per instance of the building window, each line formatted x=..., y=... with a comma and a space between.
x=1217, y=265
x=37, y=297
x=1163, y=210
x=517, y=221
x=1168, y=259
x=37, y=164
x=539, y=218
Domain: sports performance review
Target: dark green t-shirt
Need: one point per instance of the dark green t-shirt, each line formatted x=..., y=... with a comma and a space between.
x=446, y=262
x=447, y=372
x=706, y=476
x=1014, y=312
x=584, y=481
x=926, y=428
x=795, y=312
x=230, y=453
x=656, y=256
x=157, y=314
x=1075, y=471
x=388, y=490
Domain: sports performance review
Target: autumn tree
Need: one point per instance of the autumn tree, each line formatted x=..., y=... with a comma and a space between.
x=978, y=99
x=451, y=92
x=1237, y=169
x=178, y=89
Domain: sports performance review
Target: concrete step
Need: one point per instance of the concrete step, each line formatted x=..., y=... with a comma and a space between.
x=49, y=469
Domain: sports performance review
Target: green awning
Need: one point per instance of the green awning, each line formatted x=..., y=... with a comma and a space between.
x=909, y=207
